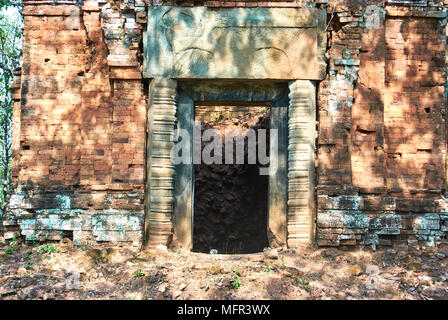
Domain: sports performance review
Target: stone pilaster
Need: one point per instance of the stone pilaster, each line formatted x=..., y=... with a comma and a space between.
x=160, y=168
x=301, y=172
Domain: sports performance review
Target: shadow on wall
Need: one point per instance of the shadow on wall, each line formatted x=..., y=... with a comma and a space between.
x=415, y=110
x=393, y=151
x=72, y=135
x=398, y=133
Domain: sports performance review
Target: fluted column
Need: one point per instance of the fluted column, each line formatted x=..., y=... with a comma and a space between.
x=160, y=168
x=301, y=170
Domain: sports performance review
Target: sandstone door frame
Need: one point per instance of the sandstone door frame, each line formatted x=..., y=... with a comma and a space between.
x=169, y=195
x=250, y=44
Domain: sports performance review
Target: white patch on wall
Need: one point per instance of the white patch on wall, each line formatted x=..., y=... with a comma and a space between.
x=64, y=201
x=374, y=15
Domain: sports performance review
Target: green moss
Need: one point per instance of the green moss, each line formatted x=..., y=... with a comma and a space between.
x=414, y=266
x=98, y=256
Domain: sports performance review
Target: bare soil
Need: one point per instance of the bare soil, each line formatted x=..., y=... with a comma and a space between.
x=46, y=271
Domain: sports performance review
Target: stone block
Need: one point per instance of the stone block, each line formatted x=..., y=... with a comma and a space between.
x=239, y=43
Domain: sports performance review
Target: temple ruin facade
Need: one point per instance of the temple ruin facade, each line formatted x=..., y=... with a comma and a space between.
x=356, y=89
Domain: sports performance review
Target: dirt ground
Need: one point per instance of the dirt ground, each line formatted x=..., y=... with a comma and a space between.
x=59, y=270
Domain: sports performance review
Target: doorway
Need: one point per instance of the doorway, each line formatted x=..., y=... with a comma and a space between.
x=231, y=198
x=259, y=215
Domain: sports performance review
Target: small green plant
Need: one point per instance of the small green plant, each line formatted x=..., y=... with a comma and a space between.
x=27, y=259
x=219, y=117
x=303, y=282
x=282, y=267
x=48, y=249
x=13, y=245
x=177, y=250
x=268, y=268
x=207, y=287
x=139, y=274
x=236, y=282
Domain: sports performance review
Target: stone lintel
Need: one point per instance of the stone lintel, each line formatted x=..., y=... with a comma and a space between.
x=235, y=43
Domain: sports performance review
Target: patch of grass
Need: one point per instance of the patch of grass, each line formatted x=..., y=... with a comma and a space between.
x=138, y=259
x=139, y=274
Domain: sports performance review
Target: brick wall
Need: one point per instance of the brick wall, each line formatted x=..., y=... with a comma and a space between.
x=382, y=141
x=80, y=117
x=79, y=125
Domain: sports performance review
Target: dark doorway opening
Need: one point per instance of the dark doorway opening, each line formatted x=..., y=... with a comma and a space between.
x=231, y=200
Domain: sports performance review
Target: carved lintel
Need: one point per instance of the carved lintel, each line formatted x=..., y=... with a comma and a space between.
x=235, y=43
